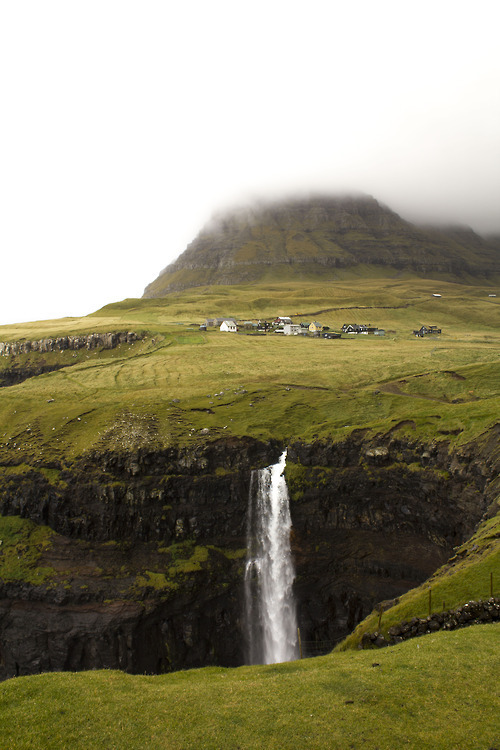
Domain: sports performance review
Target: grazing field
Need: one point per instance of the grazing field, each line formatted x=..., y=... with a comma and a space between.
x=437, y=692
x=177, y=381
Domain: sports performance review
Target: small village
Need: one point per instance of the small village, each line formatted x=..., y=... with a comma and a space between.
x=286, y=327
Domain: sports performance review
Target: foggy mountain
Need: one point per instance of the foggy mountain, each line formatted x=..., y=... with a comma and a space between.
x=323, y=236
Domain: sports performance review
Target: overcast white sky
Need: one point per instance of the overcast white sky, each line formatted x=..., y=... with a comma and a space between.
x=124, y=125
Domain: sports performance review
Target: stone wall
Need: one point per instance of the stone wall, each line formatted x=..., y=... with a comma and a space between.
x=472, y=613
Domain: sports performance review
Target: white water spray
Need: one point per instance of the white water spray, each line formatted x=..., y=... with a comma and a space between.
x=271, y=619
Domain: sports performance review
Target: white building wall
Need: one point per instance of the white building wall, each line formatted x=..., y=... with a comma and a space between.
x=228, y=326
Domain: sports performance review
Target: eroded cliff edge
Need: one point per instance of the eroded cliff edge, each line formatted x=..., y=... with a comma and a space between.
x=143, y=568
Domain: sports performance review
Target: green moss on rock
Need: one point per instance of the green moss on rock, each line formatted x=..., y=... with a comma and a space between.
x=22, y=545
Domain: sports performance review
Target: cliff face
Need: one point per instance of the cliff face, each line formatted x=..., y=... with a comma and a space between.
x=319, y=236
x=145, y=571
x=62, y=343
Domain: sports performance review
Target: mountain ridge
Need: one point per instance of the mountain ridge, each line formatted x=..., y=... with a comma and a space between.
x=321, y=236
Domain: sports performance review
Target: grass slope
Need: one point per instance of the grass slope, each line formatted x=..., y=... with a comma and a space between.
x=436, y=692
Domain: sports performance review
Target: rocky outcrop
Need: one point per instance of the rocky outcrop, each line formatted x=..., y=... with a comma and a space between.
x=61, y=343
x=144, y=496
x=18, y=374
x=35, y=364
x=371, y=519
x=472, y=613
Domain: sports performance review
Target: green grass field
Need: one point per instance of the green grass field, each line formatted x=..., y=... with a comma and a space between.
x=162, y=389
x=433, y=693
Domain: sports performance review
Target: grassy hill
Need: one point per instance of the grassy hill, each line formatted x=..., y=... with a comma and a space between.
x=436, y=692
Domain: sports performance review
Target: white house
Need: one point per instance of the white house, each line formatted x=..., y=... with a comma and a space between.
x=291, y=329
x=228, y=326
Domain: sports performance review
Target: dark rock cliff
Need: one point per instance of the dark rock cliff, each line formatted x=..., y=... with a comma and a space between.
x=61, y=343
x=148, y=556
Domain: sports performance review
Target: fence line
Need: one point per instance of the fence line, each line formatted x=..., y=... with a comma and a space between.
x=318, y=648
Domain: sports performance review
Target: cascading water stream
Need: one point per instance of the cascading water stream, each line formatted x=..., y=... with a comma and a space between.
x=271, y=619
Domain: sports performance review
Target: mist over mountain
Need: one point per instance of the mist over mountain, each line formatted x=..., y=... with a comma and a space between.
x=322, y=236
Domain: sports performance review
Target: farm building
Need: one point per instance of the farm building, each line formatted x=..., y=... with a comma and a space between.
x=216, y=322
x=361, y=328
x=354, y=328
x=426, y=331
x=228, y=326
x=315, y=326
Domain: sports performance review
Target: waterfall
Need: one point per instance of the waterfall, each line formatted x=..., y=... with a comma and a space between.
x=271, y=620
